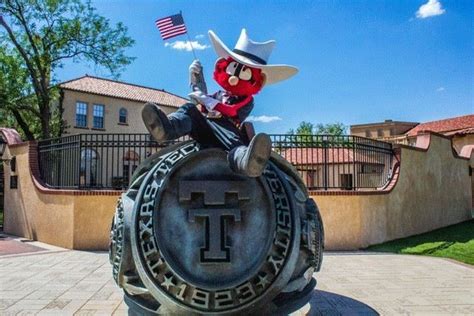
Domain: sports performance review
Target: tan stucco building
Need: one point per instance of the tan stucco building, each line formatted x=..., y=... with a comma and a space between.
x=339, y=167
x=460, y=129
x=98, y=105
x=108, y=112
x=382, y=130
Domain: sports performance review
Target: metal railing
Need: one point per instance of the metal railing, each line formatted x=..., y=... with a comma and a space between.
x=94, y=161
x=107, y=161
x=337, y=162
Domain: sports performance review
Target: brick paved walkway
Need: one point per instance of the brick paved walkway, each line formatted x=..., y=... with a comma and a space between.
x=10, y=246
x=66, y=282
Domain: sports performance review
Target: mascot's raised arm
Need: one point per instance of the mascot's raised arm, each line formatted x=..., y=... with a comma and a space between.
x=241, y=72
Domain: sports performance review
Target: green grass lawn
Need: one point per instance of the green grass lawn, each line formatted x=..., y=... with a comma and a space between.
x=455, y=242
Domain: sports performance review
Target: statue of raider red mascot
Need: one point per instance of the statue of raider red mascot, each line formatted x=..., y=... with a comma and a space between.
x=241, y=72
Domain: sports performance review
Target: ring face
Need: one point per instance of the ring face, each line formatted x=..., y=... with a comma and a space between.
x=208, y=240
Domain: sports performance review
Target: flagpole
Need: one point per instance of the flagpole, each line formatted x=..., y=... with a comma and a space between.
x=189, y=37
x=192, y=48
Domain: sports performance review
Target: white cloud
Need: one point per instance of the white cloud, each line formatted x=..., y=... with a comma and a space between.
x=440, y=89
x=263, y=118
x=199, y=36
x=431, y=8
x=186, y=45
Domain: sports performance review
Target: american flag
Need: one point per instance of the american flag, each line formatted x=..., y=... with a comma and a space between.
x=171, y=26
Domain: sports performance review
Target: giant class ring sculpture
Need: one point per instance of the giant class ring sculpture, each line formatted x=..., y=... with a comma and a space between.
x=190, y=236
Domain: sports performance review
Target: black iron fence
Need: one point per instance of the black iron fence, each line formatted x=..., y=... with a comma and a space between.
x=337, y=162
x=107, y=161
x=93, y=161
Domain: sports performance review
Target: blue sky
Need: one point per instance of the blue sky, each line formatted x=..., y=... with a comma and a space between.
x=359, y=61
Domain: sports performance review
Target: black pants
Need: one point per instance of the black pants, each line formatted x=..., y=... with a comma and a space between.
x=209, y=132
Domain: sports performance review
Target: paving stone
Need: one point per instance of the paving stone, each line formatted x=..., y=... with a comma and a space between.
x=55, y=313
x=5, y=303
x=77, y=295
x=60, y=307
x=11, y=246
x=27, y=312
x=93, y=312
x=122, y=306
x=44, y=294
x=29, y=305
x=101, y=304
x=80, y=283
x=121, y=312
x=464, y=309
x=11, y=312
x=5, y=294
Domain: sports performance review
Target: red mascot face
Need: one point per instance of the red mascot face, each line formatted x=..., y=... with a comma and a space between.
x=238, y=79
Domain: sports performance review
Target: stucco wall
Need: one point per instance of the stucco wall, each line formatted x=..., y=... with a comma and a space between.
x=433, y=190
x=92, y=220
x=386, y=129
x=48, y=218
x=66, y=219
x=459, y=141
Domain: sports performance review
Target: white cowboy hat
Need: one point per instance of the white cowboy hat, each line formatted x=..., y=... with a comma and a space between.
x=253, y=54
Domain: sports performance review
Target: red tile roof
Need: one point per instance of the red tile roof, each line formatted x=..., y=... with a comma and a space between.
x=464, y=131
x=10, y=136
x=122, y=90
x=315, y=156
x=455, y=125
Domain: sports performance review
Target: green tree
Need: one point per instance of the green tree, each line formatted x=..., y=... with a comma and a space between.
x=15, y=94
x=37, y=37
x=335, y=129
x=310, y=135
x=307, y=128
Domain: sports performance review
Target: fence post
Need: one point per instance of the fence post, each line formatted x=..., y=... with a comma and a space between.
x=325, y=162
x=354, y=152
x=80, y=162
x=56, y=163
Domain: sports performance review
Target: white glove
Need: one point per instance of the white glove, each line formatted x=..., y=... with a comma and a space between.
x=196, y=77
x=201, y=98
x=195, y=67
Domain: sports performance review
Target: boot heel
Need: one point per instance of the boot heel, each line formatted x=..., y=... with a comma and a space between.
x=257, y=155
x=156, y=122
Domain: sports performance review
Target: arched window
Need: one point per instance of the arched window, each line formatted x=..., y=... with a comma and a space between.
x=123, y=116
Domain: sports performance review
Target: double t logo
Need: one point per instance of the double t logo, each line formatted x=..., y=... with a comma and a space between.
x=215, y=213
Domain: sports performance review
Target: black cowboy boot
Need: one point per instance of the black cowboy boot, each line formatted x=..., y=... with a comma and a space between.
x=251, y=160
x=157, y=123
